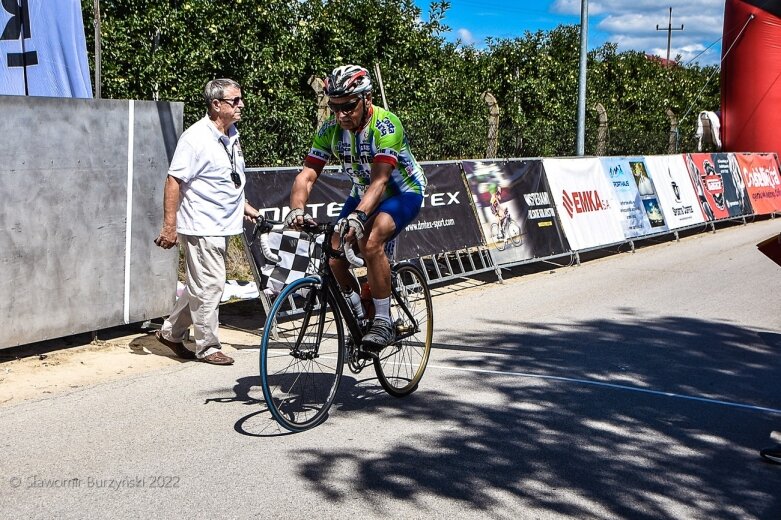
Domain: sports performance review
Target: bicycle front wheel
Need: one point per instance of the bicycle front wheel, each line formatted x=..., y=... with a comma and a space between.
x=495, y=236
x=301, y=355
x=400, y=366
x=515, y=234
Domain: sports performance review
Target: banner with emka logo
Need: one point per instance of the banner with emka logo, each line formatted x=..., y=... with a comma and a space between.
x=588, y=209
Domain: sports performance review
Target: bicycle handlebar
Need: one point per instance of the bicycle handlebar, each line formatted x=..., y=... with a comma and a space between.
x=353, y=258
x=264, y=226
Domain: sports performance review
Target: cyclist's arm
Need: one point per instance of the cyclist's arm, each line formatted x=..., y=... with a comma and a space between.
x=380, y=175
x=302, y=186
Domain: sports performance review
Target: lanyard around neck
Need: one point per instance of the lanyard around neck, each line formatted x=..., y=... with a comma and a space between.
x=231, y=157
x=231, y=153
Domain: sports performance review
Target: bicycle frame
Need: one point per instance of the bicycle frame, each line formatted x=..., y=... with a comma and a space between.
x=332, y=285
x=327, y=335
x=325, y=276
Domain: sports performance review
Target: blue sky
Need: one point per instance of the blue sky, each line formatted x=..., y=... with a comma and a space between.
x=631, y=24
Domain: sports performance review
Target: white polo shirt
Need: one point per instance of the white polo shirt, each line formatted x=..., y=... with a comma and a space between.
x=211, y=204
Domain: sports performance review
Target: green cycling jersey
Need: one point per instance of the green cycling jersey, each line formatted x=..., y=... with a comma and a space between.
x=381, y=140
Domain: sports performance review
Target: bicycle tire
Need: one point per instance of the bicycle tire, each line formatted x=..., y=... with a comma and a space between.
x=301, y=368
x=400, y=366
x=500, y=242
x=515, y=233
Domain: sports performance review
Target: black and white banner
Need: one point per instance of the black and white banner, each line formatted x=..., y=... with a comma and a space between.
x=446, y=221
x=269, y=192
x=43, y=51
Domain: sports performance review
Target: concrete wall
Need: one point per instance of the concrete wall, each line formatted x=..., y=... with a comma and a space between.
x=76, y=244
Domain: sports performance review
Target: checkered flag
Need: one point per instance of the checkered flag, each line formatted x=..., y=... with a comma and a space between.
x=298, y=255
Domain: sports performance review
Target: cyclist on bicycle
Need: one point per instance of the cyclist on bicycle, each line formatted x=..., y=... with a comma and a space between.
x=496, y=207
x=387, y=187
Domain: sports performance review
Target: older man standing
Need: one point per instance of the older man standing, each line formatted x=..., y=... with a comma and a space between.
x=203, y=205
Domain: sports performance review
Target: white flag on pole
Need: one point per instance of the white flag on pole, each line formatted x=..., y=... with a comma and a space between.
x=43, y=51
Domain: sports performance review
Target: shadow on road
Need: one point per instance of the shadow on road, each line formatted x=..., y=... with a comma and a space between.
x=577, y=449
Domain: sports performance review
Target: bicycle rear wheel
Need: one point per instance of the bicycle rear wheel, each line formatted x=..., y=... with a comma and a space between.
x=301, y=355
x=400, y=366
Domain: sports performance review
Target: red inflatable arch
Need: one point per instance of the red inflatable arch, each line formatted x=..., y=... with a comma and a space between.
x=751, y=76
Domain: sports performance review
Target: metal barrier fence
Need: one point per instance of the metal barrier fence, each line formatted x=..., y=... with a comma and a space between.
x=564, y=207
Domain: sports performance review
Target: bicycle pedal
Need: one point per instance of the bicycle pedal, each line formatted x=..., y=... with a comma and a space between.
x=403, y=328
x=366, y=354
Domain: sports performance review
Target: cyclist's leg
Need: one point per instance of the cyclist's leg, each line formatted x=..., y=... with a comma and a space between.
x=379, y=229
x=500, y=219
x=340, y=267
x=391, y=217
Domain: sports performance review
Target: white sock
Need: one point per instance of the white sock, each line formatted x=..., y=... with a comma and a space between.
x=382, y=309
x=355, y=302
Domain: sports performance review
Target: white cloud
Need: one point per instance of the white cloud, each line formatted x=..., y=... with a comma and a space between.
x=632, y=25
x=465, y=36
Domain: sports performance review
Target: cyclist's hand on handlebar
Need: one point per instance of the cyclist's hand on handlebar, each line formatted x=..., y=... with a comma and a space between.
x=350, y=226
x=297, y=218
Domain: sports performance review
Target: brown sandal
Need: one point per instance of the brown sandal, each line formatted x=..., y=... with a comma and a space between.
x=217, y=358
x=177, y=347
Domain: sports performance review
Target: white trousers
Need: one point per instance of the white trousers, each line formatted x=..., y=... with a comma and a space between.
x=199, y=303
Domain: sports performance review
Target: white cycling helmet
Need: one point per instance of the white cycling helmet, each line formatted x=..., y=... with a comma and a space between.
x=348, y=80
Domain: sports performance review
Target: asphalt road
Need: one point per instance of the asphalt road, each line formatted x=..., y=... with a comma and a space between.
x=638, y=385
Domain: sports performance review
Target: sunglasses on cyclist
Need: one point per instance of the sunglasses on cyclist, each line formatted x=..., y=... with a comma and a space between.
x=234, y=102
x=345, y=108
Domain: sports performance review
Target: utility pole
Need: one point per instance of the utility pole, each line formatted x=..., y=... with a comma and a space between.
x=97, y=48
x=669, y=30
x=580, y=144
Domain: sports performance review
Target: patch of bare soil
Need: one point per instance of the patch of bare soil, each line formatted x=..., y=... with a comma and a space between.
x=60, y=366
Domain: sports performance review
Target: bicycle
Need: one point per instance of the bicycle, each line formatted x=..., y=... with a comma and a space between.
x=311, y=332
x=510, y=232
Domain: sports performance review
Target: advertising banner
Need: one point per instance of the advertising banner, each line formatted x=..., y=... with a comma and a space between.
x=585, y=201
x=716, y=178
x=515, y=210
x=763, y=183
x=269, y=191
x=636, y=195
x=43, y=51
x=680, y=204
x=446, y=221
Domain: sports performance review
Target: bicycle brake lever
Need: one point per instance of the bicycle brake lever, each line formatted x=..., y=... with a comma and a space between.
x=262, y=227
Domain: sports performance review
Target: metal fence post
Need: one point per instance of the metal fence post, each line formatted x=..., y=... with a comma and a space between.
x=322, y=100
x=601, y=130
x=673, y=139
x=493, y=124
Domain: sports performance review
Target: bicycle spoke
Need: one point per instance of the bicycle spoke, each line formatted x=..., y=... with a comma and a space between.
x=401, y=366
x=300, y=369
